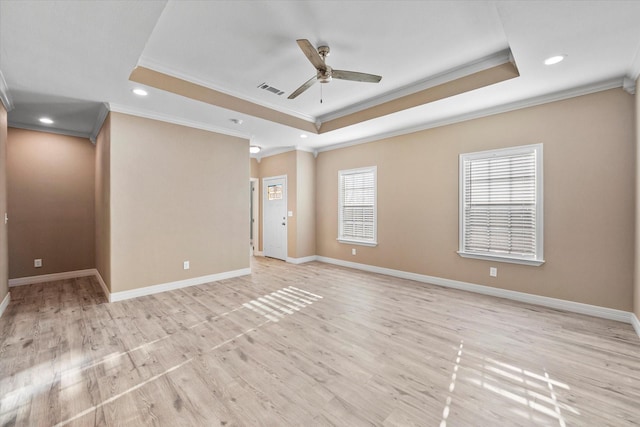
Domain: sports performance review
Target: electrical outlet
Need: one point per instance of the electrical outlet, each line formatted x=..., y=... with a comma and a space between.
x=353, y=251
x=37, y=263
x=185, y=265
x=493, y=271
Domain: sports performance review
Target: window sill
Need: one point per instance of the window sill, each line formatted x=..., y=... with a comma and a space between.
x=533, y=262
x=357, y=242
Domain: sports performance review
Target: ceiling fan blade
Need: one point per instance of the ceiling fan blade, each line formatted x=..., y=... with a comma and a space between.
x=312, y=54
x=355, y=76
x=304, y=87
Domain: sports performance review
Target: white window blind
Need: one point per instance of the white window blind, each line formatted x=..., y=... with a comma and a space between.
x=501, y=204
x=357, y=206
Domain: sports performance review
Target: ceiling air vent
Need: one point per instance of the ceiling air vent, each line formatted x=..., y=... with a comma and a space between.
x=271, y=89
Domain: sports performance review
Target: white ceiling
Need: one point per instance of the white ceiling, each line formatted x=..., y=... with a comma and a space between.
x=59, y=56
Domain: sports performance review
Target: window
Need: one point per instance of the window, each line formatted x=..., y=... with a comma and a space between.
x=357, y=206
x=274, y=192
x=501, y=205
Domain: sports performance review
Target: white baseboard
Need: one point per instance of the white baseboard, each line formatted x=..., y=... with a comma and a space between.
x=154, y=289
x=103, y=285
x=258, y=253
x=21, y=281
x=575, y=307
x=5, y=303
x=119, y=296
x=636, y=323
x=302, y=260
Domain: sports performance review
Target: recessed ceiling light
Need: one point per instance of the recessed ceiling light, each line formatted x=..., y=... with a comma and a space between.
x=140, y=92
x=254, y=149
x=303, y=135
x=46, y=120
x=554, y=59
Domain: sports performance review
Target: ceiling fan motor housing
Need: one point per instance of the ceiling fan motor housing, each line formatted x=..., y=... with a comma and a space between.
x=324, y=76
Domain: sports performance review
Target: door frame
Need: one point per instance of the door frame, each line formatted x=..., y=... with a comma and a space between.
x=255, y=214
x=286, y=199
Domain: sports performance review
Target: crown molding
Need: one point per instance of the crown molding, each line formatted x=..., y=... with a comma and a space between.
x=446, y=76
x=305, y=149
x=57, y=131
x=157, y=66
x=5, y=96
x=138, y=112
x=629, y=85
x=504, y=108
x=269, y=152
x=102, y=116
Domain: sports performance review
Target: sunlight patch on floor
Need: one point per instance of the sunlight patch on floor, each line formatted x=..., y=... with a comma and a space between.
x=285, y=301
x=452, y=386
x=535, y=391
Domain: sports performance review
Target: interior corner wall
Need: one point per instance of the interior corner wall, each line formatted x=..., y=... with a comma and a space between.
x=277, y=165
x=50, y=197
x=176, y=194
x=255, y=167
x=102, y=203
x=4, y=245
x=306, y=204
x=589, y=196
x=636, y=305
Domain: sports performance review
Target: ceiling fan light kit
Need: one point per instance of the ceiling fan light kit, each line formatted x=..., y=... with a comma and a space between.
x=324, y=73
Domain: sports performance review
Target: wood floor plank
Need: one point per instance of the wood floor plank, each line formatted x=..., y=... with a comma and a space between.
x=309, y=344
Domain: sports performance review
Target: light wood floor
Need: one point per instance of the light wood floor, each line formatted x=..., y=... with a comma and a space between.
x=309, y=345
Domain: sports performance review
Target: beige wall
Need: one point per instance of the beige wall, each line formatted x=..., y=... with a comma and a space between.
x=4, y=248
x=102, y=202
x=177, y=194
x=637, y=212
x=306, y=204
x=255, y=167
x=589, y=174
x=283, y=164
x=50, y=202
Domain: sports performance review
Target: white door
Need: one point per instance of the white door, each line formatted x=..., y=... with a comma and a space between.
x=274, y=208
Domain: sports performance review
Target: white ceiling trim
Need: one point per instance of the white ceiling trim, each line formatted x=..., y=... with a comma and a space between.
x=57, y=131
x=5, y=96
x=118, y=108
x=156, y=66
x=429, y=82
x=268, y=152
x=272, y=152
x=518, y=105
x=102, y=115
x=629, y=84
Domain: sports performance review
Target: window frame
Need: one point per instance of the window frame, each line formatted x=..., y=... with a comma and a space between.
x=539, y=221
x=341, y=238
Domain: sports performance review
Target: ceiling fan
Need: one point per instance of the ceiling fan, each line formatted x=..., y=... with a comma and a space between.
x=325, y=73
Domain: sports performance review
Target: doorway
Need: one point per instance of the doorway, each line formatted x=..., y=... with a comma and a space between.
x=274, y=209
